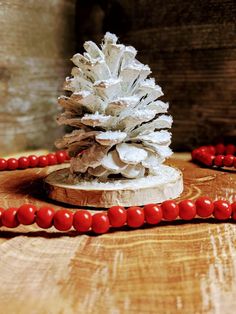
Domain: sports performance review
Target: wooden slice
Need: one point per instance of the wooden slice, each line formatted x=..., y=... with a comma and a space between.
x=168, y=184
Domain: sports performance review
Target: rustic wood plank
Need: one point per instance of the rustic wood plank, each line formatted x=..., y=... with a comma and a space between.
x=172, y=268
x=183, y=37
x=36, y=43
x=149, y=13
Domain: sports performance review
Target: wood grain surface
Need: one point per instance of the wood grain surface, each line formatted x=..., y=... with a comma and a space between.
x=172, y=268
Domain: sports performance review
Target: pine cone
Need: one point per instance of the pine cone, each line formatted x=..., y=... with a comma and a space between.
x=119, y=124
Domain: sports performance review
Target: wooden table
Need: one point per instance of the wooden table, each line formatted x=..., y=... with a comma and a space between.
x=172, y=268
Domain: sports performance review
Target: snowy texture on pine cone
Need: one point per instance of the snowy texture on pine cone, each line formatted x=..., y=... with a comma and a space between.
x=119, y=124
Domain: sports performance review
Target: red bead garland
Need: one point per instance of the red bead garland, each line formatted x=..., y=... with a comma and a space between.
x=116, y=216
x=33, y=161
x=218, y=156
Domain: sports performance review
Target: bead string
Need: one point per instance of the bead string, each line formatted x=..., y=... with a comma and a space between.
x=219, y=156
x=116, y=216
x=33, y=161
x=215, y=156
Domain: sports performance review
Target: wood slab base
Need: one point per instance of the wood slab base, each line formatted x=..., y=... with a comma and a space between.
x=127, y=192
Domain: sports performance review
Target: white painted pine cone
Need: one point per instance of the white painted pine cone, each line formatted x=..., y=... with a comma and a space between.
x=118, y=120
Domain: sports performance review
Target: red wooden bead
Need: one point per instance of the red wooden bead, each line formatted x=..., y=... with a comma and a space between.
x=3, y=164
x=207, y=159
x=1, y=211
x=67, y=155
x=12, y=163
x=219, y=160
x=44, y=217
x=229, y=161
x=230, y=149
x=63, y=219
x=195, y=153
x=23, y=163
x=33, y=161
x=202, y=149
x=211, y=149
x=170, y=210
x=82, y=220
x=135, y=217
x=117, y=216
x=9, y=218
x=220, y=149
x=187, y=210
x=234, y=162
x=100, y=223
x=61, y=156
x=52, y=159
x=43, y=161
x=233, y=207
x=26, y=214
x=222, y=210
x=152, y=213
x=204, y=206
x=199, y=152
